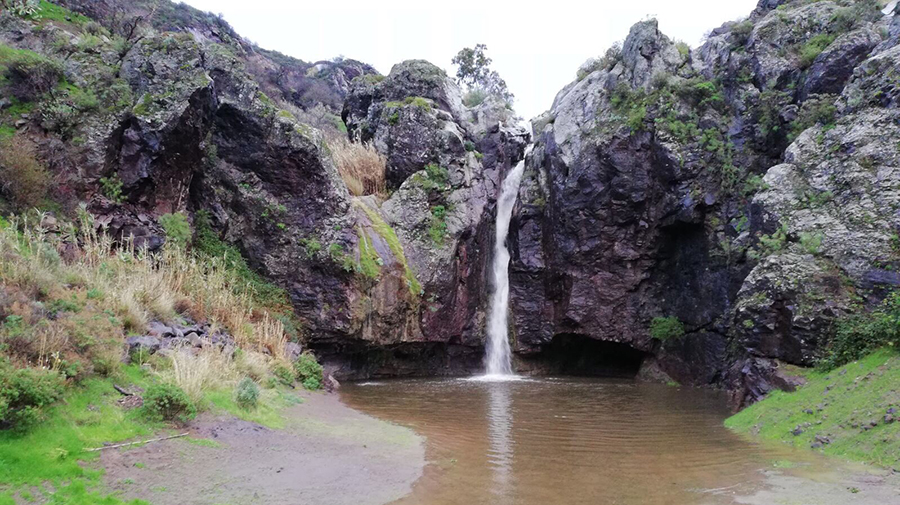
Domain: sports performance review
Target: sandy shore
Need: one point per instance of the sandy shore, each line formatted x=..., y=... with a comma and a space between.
x=328, y=454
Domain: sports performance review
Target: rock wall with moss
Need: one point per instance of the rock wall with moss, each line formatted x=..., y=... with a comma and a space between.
x=743, y=188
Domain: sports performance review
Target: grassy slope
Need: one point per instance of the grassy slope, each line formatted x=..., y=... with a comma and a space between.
x=854, y=394
x=52, y=456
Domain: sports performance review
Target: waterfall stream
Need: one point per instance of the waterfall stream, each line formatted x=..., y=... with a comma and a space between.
x=497, y=358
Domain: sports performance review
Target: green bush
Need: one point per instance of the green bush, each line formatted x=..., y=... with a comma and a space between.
x=308, y=371
x=741, y=32
x=437, y=173
x=284, y=375
x=168, y=402
x=29, y=75
x=178, y=231
x=111, y=187
x=312, y=384
x=246, y=394
x=474, y=97
x=813, y=47
x=437, y=230
x=24, y=392
x=666, y=328
x=856, y=335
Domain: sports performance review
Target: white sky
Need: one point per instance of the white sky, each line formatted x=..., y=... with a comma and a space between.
x=536, y=48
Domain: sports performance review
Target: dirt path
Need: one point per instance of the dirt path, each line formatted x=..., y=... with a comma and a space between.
x=328, y=454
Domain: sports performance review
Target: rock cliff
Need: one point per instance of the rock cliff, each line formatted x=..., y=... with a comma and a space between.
x=714, y=208
x=703, y=214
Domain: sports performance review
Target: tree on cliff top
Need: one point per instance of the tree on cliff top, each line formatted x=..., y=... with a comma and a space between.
x=475, y=73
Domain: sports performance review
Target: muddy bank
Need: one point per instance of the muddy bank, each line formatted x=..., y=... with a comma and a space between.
x=840, y=483
x=327, y=454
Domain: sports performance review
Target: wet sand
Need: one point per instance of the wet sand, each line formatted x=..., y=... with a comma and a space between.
x=327, y=454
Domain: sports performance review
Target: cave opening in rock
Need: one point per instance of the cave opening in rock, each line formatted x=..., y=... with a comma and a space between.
x=580, y=355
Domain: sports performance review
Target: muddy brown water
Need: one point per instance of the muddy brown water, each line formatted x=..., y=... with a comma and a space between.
x=568, y=441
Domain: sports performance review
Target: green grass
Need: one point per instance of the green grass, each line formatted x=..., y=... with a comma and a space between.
x=388, y=234
x=53, y=452
x=268, y=413
x=52, y=12
x=855, y=394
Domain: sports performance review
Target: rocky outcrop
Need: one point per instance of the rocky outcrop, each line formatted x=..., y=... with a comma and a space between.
x=836, y=201
x=430, y=236
x=644, y=198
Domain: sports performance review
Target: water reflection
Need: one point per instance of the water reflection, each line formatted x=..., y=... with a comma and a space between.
x=500, y=454
x=565, y=441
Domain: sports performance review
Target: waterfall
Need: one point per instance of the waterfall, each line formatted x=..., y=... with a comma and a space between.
x=497, y=359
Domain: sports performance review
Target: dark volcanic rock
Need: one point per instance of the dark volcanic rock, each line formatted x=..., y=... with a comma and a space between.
x=833, y=68
x=625, y=217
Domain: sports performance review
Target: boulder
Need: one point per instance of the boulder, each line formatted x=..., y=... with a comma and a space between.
x=146, y=344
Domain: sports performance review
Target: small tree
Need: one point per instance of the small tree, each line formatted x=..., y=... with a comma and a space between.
x=475, y=73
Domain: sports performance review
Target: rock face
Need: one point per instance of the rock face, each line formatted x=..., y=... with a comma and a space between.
x=206, y=124
x=433, y=233
x=698, y=215
x=656, y=189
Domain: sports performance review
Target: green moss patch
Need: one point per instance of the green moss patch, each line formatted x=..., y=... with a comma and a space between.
x=388, y=234
x=369, y=261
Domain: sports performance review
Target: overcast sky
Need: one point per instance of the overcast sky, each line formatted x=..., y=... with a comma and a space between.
x=536, y=47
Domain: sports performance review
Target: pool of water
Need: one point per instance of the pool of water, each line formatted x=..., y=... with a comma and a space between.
x=567, y=441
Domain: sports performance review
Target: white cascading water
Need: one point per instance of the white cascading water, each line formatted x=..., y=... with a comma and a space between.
x=497, y=359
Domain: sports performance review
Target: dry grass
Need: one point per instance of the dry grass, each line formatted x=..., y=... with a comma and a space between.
x=360, y=165
x=23, y=179
x=121, y=286
x=209, y=369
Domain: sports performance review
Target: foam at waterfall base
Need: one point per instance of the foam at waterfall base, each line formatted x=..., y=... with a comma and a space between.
x=494, y=377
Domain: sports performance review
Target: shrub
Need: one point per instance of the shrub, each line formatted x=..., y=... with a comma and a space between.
x=856, y=335
x=666, y=328
x=312, y=384
x=178, y=231
x=818, y=109
x=246, y=394
x=24, y=392
x=23, y=179
x=308, y=371
x=284, y=374
x=112, y=188
x=22, y=8
x=361, y=166
x=474, y=97
x=437, y=173
x=813, y=47
x=168, y=402
x=811, y=242
x=29, y=75
x=741, y=32
x=437, y=230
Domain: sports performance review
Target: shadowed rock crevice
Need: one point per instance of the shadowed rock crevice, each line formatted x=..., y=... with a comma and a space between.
x=582, y=356
x=412, y=359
